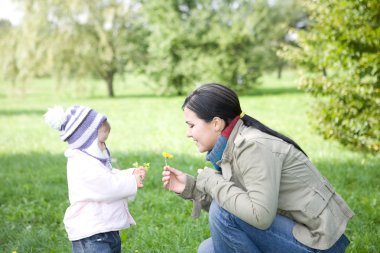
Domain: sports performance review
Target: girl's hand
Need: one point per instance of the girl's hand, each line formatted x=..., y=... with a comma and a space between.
x=173, y=180
x=139, y=174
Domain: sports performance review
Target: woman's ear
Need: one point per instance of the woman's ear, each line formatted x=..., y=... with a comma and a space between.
x=218, y=124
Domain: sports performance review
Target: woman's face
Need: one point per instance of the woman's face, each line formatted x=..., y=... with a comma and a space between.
x=204, y=134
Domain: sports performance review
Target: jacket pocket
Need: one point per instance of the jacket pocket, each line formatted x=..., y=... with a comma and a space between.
x=319, y=201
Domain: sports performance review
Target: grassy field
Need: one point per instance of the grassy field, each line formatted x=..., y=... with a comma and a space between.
x=33, y=195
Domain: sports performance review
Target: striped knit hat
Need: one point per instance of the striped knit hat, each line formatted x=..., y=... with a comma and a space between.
x=78, y=125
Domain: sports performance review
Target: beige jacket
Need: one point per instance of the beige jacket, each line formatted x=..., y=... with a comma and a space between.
x=263, y=176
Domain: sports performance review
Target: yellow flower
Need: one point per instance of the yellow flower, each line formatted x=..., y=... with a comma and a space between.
x=167, y=155
x=145, y=165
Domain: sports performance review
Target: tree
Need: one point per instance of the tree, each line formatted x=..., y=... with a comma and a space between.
x=340, y=51
x=80, y=38
x=231, y=42
x=6, y=45
x=282, y=16
x=24, y=50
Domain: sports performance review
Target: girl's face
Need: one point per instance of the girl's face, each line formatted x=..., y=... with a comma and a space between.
x=103, y=132
x=205, y=134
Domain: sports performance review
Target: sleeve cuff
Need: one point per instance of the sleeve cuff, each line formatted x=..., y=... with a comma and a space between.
x=130, y=171
x=189, y=188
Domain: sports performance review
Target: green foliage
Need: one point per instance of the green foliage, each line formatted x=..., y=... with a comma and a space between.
x=8, y=67
x=341, y=47
x=178, y=44
x=24, y=49
x=74, y=39
x=229, y=42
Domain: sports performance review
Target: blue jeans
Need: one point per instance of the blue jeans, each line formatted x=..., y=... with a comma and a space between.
x=231, y=234
x=100, y=243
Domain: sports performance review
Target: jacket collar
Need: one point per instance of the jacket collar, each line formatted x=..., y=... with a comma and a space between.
x=217, y=151
x=227, y=154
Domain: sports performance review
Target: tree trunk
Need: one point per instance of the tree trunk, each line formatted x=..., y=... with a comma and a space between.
x=324, y=71
x=279, y=71
x=109, y=81
x=178, y=84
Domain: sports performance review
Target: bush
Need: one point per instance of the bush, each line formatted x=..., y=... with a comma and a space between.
x=341, y=49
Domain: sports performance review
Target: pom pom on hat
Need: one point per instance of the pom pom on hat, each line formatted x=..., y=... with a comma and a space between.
x=55, y=117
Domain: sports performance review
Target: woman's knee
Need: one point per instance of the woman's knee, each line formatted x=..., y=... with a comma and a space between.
x=206, y=246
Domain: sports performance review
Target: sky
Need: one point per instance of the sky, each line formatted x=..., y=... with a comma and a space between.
x=9, y=11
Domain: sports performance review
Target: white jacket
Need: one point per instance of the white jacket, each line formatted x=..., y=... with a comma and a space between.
x=97, y=196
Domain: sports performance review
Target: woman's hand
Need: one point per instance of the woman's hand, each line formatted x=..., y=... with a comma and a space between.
x=139, y=174
x=173, y=180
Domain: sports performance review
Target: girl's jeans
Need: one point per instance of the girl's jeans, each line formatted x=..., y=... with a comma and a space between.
x=104, y=242
x=231, y=234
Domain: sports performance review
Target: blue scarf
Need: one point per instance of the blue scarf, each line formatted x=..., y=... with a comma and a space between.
x=215, y=155
x=105, y=161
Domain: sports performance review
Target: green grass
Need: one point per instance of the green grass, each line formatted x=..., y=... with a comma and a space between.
x=33, y=195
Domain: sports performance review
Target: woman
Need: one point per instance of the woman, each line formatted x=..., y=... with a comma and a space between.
x=263, y=194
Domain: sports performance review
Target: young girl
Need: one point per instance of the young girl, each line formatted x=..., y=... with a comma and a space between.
x=98, y=193
x=263, y=194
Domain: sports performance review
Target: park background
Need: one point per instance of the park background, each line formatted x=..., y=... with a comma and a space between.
x=309, y=69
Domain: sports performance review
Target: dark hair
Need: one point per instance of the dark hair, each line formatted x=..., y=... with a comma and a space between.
x=215, y=100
